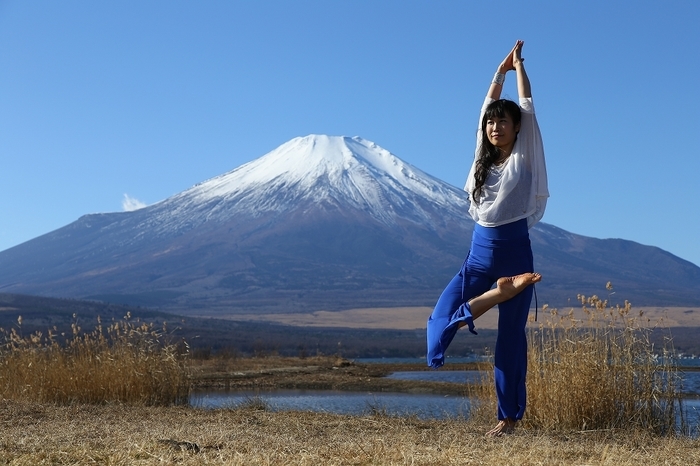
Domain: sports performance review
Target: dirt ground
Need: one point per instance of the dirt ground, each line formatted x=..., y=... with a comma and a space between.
x=34, y=434
x=118, y=434
x=321, y=373
x=316, y=373
x=409, y=318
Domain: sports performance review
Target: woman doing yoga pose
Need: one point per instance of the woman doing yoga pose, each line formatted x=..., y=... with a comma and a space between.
x=507, y=187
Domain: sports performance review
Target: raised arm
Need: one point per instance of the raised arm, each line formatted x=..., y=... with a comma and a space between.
x=524, y=90
x=513, y=61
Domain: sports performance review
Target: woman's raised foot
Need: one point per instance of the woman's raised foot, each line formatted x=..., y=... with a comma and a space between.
x=511, y=286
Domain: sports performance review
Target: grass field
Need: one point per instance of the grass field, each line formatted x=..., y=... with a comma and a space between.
x=123, y=435
x=598, y=394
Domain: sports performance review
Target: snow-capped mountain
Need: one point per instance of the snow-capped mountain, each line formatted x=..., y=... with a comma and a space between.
x=321, y=222
x=315, y=172
x=331, y=171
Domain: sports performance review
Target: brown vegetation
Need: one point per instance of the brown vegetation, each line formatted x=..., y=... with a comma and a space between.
x=598, y=394
x=127, y=362
x=316, y=373
x=124, y=435
x=600, y=372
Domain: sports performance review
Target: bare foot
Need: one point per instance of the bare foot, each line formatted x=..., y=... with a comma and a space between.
x=504, y=427
x=511, y=286
x=506, y=288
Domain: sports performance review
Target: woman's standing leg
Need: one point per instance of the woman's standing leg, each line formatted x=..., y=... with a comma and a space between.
x=511, y=356
x=510, y=360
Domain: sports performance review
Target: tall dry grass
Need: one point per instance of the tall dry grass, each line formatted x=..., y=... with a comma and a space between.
x=596, y=369
x=127, y=362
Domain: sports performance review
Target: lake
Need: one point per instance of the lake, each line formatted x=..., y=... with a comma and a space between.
x=396, y=404
x=341, y=402
x=691, y=380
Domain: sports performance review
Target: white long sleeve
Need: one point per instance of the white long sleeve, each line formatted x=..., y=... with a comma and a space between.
x=518, y=188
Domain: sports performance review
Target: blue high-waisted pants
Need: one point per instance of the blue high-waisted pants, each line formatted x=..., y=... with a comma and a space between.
x=496, y=252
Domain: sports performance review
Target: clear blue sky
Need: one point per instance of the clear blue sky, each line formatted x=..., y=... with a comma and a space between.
x=102, y=99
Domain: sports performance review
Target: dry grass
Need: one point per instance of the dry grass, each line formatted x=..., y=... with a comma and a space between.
x=124, y=435
x=598, y=395
x=125, y=362
x=600, y=372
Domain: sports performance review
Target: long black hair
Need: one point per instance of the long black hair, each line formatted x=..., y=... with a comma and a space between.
x=489, y=153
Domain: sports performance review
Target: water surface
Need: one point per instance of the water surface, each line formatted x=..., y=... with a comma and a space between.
x=690, y=379
x=340, y=402
x=423, y=406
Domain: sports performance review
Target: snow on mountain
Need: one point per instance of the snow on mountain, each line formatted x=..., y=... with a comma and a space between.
x=319, y=169
x=321, y=222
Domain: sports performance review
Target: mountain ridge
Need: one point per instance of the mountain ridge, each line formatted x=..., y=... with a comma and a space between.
x=327, y=222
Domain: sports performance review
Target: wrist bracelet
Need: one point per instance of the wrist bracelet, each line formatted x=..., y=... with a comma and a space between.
x=499, y=78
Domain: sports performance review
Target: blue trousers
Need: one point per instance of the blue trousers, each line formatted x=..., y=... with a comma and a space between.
x=496, y=252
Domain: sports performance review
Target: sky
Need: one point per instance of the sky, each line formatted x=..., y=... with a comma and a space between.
x=112, y=105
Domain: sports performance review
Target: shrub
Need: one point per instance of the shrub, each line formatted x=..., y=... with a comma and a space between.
x=128, y=362
x=596, y=369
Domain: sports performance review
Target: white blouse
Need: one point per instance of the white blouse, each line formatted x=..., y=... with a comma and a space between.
x=516, y=189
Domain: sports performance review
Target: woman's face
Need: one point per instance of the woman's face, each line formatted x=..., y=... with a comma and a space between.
x=501, y=131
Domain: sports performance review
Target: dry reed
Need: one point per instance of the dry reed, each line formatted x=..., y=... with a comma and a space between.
x=596, y=369
x=126, y=362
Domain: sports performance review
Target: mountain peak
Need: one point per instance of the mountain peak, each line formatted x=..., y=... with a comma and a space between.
x=321, y=222
x=302, y=160
x=331, y=170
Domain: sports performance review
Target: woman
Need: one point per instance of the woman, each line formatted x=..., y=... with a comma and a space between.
x=507, y=187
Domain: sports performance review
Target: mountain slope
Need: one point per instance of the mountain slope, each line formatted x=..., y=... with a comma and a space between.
x=320, y=222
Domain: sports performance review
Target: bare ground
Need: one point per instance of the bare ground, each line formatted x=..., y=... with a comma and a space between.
x=124, y=435
x=32, y=433
x=409, y=318
x=316, y=373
